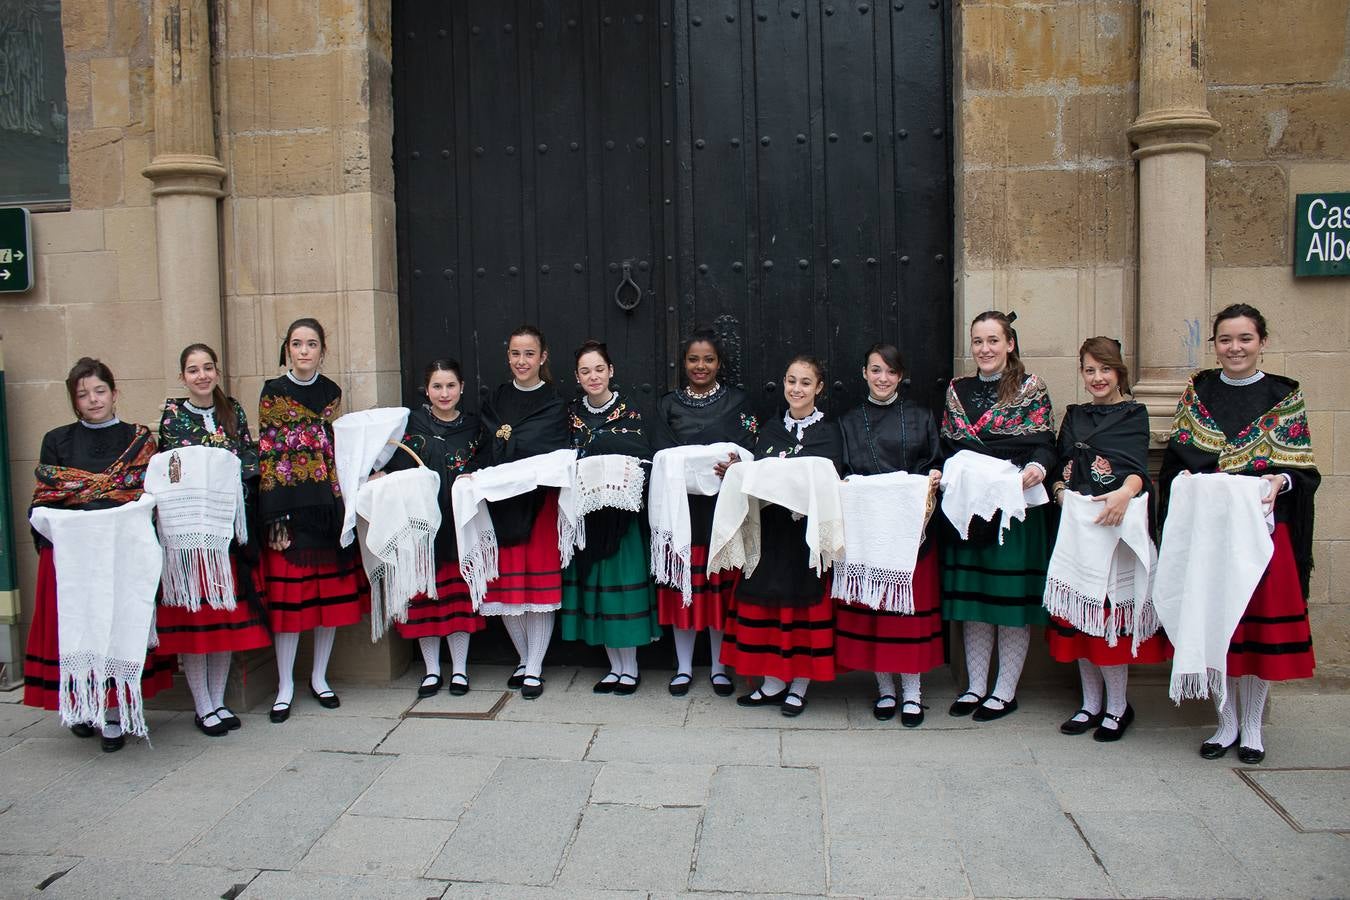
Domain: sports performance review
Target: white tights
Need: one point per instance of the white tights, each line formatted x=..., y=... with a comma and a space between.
x=1013, y=642
x=287, y=645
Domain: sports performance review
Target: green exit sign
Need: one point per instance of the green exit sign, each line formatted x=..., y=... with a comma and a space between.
x=1321, y=234
x=16, y=257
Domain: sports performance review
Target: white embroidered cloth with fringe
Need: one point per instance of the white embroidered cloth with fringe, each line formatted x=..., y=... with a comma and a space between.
x=884, y=519
x=107, y=571
x=1092, y=563
x=974, y=484
x=361, y=444
x=678, y=472
x=397, y=516
x=609, y=481
x=808, y=486
x=199, y=509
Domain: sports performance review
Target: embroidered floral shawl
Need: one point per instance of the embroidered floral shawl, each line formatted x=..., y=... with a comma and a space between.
x=178, y=427
x=299, y=480
x=122, y=482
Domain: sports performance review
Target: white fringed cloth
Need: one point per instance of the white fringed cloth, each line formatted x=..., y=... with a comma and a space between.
x=609, y=481
x=808, y=486
x=361, y=444
x=199, y=508
x=676, y=473
x=470, y=495
x=397, y=518
x=1215, y=548
x=974, y=484
x=107, y=571
x=884, y=519
x=1094, y=562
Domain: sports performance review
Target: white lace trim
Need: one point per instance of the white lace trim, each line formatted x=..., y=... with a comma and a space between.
x=802, y=424
x=84, y=699
x=1241, y=382
x=604, y=407
x=313, y=378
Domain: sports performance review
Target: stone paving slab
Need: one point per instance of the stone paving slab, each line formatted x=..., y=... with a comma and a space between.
x=649, y=784
x=920, y=866
x=708, y=746
x=913, y=746
x=629, y=847
x=115, y=879
x=20, y=875
x=479, y=891
x=467, y=737
x=1316, y=800
x=520, y=825
x=646, y=707
x=1163, y=854
x=14, y=718
x=426, y=787
x=722, y=712
x=307, y=885
x=357, y=701
x=35, y=763
x=771, y=814
x=342, y=734
x=279, y=823
x=443, y=703
x=374, y=845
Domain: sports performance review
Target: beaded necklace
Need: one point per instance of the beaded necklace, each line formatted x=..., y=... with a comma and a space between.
x=867, y=432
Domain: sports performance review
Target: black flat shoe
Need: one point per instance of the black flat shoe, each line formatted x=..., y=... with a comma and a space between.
x=531, y=691
x=113, y=744
x=1212, y=750
x=329, y=699
x=985, y=714
x=230, y=720
x=216, y=730
x=884, y=713
x=280, y=713
x=517, y=678
x=724, y=687
x=679, y=684
x=459, y=684
x=1250, y=756
x=792, y=710
x=604, y=685
x=1106, y=735
x=83, y=730
x=1074, y=725
x=965, y=707
x=428, y=688
x=628, y=687
x=911, y=719
x=763, y=699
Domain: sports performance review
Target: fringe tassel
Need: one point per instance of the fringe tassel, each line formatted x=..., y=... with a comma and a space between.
x=479, y=566
x=409, y=571
x=571, y=536
x=670, y=564
x=1198, y=686
x=197, y=573
x=84, y=692
x=885, y=590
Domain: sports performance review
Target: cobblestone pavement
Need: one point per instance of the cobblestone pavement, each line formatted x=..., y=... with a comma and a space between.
x=578, y=795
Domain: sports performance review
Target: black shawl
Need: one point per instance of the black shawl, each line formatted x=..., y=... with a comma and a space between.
x=725, y=416
x=1100, y=445
x=447, y=448
x=299, y=483
x=517, y=425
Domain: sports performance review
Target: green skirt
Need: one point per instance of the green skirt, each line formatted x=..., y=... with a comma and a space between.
x=1002, y=584
x=616, y=605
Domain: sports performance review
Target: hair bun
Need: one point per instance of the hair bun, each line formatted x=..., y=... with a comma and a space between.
x=1011, y=317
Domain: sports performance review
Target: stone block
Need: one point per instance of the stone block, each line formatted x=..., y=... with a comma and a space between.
x=1340, y=460
x=1093, y=125
x=244, y=351
x=1046, y=303
x=33, y=409
x=21, y=875
x=631, y=848
x=1331, y=574
x=710, y=746
x=68, y=232
x=247, y=234
x=1281, y=123
x=373, y=845
x=425, y=787
x=1304, y=313
x=1047, y=217
x=84, y=26
x=95, y=168
x=135, y=157
x=1178, y=859
x=130, y=35
x=142, y=399
x=276, y=313
x=110, y=86
x=36, y=763
x=282, y=165
x=90, y=276
x=442, y=737
x=101, y=879
x=1010, y=130
x=126, y=336
x=1248, y=221
x=647, y=784
x=1322, y=377
x=131, y=234
x=357, y=148
x=304, y=244
x=292, y=885
x=1007, y=47
x=29, y=334
x=487, y=845
x=1105, y=309
x=1259, y=43
x=292, y=28
x=1333, y=509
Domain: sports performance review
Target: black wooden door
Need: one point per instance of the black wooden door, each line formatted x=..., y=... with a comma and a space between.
x=781, y=169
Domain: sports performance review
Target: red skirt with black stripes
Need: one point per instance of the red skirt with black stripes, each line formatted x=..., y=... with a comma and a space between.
x=1274, y=640
x=299, y=598
x=530, y=574
x=42, y=656
x=450, y=611
x=870, y=640
x=785, y=642
x=210, y=630
x=710, y=596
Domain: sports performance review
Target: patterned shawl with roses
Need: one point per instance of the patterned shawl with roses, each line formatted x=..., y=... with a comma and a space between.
x=1100, y=445
x=298, y=481
x=1020, y=431
x=1255, y=429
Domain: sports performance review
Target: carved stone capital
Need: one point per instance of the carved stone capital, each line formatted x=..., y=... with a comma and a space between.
x=1172, y=131
x=185, y=173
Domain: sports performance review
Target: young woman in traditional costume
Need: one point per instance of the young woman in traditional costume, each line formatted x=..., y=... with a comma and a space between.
x=890, y=434
x=525, y=417
x=1103, y=454
x=781, y=622
x=206, y=637
x=996, y=589
x=1243, y=421
x=608, y=598
x=707, y=410
x=96, y=462
x=446, y=439
x=310, y=583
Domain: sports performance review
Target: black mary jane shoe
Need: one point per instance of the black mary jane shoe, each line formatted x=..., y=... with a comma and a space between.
x=1250, y=755
x=230, y=720
x=83, y=730
x=964, y=707
x=1107, y=735
x=517, y=678
x=113, y=744
x=216, y=730
x=723, y=687
x=459, y=684
x=1214, y=750
x=1075, y=725
x=986, y=714
x=792, y=710
x=428, y=688
x=532, y=691
x=627, y=688
x=279, y=713
x=884, y=713
x=679, y=684
x=605, y=685
x=911, y=719
x=329, y=699
x=763, y=699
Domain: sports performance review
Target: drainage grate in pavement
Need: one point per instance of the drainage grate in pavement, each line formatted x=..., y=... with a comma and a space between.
x=473, y=705
x=1310, y=800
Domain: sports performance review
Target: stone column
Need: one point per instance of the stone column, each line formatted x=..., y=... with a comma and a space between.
x=187, y=177
x=1171, y=136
